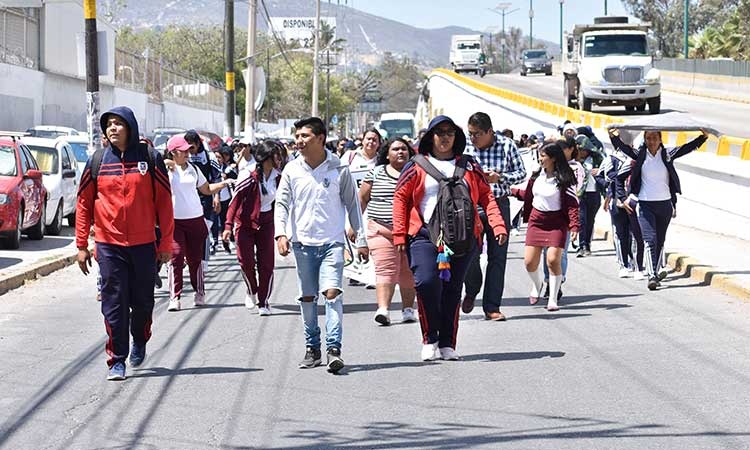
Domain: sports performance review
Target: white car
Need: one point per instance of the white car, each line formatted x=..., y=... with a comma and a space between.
x=60, y=175
x=80, y=146
x=51, y=131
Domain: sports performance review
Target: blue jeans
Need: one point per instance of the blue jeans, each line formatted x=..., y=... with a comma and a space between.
x=320, y=268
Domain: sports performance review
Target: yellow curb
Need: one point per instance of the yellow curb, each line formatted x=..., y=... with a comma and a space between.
x=707, y=275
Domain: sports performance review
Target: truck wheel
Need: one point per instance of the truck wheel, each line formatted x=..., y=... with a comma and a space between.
x=641, y=107
x=654, y=105
x=630, y=108
x=584, y=103
x=523, y=74
x=567, y=98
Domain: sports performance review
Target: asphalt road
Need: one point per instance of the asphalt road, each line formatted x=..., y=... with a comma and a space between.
x=728, y=117
x=615, y=368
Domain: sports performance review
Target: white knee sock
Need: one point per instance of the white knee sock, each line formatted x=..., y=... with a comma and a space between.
x=554, y=287
x=537, y=280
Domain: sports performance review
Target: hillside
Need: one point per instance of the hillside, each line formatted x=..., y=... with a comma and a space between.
x=366, y=35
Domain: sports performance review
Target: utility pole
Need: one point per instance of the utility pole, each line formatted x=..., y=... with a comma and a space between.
x=561, y=25
x=229, y=72
x=605, y=7
x=328, y=87
x=250, y=81
x=92, y=76
x=316, y=63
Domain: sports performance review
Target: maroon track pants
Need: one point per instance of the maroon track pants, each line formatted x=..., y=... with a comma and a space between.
x=189, y=241
x=255, y=248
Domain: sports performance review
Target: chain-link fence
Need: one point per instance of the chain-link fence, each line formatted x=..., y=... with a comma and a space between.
x=707, y=66
x=19, y=37
x=161, y=83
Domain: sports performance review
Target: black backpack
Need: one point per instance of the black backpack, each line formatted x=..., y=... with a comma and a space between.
x=452, y=222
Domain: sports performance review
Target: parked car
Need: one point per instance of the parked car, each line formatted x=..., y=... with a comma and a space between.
x=80, y=146
x=22, y=192
x=51, y=131
x=61, y=176
x=162, y=135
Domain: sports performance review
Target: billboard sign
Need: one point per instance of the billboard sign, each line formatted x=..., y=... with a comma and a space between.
x=299, y=28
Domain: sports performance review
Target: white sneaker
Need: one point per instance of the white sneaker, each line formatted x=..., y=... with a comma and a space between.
x=624, y=273
x=430, y=352
x=174, y=304
x=383, y=317
x=638, y=275
x=251, y=300
x=264, y=311
x=199, y=299
x=408, y=316
x=448, y=354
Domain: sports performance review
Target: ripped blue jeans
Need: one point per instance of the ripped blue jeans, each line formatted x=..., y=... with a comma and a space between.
x=320, y=268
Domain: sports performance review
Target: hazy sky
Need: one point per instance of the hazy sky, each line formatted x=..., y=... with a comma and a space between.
x=474, y=14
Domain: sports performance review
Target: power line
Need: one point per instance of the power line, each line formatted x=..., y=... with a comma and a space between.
x=276, y=37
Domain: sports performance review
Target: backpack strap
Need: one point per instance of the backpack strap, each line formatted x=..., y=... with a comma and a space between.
x=96, y=163
x=431, y=170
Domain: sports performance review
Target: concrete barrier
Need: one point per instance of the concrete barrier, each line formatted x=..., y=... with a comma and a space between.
x=724, y=146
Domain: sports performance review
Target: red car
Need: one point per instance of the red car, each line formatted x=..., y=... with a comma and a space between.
x=22, y=194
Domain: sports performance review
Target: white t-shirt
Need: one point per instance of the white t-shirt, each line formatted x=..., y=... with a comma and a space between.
x=547, y=196
x=431, y=186
x=187, y=204
x=654, y=179
x=266, y=200
x=357, y=161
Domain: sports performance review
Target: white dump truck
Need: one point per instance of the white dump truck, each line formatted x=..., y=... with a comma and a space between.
x=609, y=63
x=465, y=52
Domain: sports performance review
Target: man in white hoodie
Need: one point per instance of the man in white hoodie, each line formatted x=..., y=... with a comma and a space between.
x=315, y=195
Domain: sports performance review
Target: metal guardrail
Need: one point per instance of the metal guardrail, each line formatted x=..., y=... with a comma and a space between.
x=705, y=66
x=161, y=83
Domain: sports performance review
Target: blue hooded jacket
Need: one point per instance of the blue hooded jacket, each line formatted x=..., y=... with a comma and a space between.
x=459, y=143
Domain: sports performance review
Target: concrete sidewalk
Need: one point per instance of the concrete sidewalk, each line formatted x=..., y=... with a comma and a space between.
x=35, y=259
x=711, y=259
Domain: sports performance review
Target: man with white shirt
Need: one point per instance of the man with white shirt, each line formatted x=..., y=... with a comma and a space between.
x=314, y=197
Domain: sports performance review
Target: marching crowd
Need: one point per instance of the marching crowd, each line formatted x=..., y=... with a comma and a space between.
x=422, y=210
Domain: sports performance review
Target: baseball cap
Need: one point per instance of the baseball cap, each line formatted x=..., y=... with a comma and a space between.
x=247, y=140
x=178, y=143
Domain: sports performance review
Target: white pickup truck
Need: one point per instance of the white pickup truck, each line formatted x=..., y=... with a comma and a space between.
x=609, y=63
x=465, y=52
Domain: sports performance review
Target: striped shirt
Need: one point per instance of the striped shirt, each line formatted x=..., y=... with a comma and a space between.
x=501, y=157
x=380, y=207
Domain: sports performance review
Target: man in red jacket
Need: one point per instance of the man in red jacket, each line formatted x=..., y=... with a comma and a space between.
x=125, y=199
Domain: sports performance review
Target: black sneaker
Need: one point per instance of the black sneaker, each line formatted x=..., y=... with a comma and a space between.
x=137, y=354
x=335, y=363
x=312, y=358
x=353, y=282
x=661, y=275
x=581, y=252
x=653, y=283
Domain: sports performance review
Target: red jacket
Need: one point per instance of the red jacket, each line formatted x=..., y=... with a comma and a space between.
x=568, y=203
x=123, y=205
x=244, y=209
x=407, y=219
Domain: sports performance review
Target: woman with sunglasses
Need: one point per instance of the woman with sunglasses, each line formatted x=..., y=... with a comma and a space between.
x=391, y=266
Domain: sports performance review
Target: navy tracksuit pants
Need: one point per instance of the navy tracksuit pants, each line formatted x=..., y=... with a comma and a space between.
x=587, y=209
x=497, y=257
x=623, y=239
x=654, y=218
x=439, y=300
x=127, y=295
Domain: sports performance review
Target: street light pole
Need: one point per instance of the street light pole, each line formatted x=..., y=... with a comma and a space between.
x=685, y=48
x=250, y=82
x=531, y=24
x=316, y=63
x=229, y=67
x=561, y=24
x=502, y=9
x=605, y=7
x=92, y=75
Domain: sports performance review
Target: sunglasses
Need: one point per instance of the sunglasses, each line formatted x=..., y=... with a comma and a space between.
x=443, y=133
